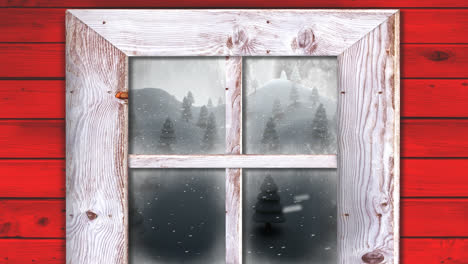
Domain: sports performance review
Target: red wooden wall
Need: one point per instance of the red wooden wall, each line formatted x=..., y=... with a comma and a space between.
x=434, y=140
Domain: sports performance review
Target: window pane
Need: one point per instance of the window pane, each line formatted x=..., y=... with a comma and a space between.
x=290, y=105
x=177, y=216
x=289, y=216
x=177, y=105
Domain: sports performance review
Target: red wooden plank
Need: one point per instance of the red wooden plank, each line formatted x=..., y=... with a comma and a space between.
x=237, y=3
x=434, y=177
x=32, y=60
x=434, y=26
x=434, y=217
x=434, y=138
x=48, y=60
x=32, y=139
x=419, y=138
x=434, y=251
x=32, y=25
x=434, y=61
x=417, y=26
x=32, y=99
x=420, y=250
x=32, y=218
x=434, y=98
x=38, y=251
x=32, y=178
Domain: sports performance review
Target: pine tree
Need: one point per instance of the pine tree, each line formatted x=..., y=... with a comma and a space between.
x=203, y=117
x=220, y=101
x=211, y=133
x=268, y=209
x=277, y=110
x=321, y=137
x=295, y=75
x=294, y=96
x=210, y=103
x=186, y=110
x=190, y=98
x=167, y=136
x=270, y=138
x=314, y=97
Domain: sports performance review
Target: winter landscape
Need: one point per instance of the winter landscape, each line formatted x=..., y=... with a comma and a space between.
x=177, y=107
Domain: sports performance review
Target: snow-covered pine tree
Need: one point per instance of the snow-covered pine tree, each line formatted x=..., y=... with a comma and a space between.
x=190, y=98
x=294, y=97
x=268, y=209
x=167, y=136
x=270, y=138
x=277, y=110
x=211, y=133
x=220, y=101
x=210, y=103
x=186, y=109
x=296, y=75
x=321, y=137
x=203, y=117
x=314, y=97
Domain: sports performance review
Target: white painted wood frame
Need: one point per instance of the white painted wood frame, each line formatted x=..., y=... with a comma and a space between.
x=98, y=45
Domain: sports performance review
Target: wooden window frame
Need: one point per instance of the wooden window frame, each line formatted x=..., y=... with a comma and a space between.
x=98, y=46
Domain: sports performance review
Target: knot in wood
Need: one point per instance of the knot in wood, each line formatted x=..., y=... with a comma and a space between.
x=305, y=38
x=439, y=56
x=373, y=257
x=91, y=215
x=122, y=95
x=239, y=36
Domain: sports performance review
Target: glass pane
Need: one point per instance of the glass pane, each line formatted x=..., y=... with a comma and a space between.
x=289, y=216
x=290, y=105
x=177, y=105
x=177, y=216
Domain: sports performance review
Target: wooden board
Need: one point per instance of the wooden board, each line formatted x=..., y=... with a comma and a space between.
x=21, y=60
x=32, y=178
x=97, y=135
x=434, y=217
x=37, y=251
x=237, y=3
x=46, y=25
x=38, y=99
x=32, y=218
x=368, y=164
x=434, y=177
x=434, y=138
x=434, y=98
x=420, y=98
x=434, y=61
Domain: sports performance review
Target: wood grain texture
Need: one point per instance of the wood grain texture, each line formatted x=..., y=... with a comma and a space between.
x=434, y=177
x=32, y=178
x=232, y=161
x=413, y=250
x=32, y=60
x=434, y=138
x=234, y=146
x=232, y=32
x=368, y=108
x=32, y=139
x=43, y=251
x=434, y=98
x=237, y=3
x=434, y=217
x=46, y=25
x=32, y=218
x=97, y=135
x=434, y=61
x=434, y=251
x=38, y=99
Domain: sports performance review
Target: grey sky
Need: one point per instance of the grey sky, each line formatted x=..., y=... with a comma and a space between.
x=204, y=76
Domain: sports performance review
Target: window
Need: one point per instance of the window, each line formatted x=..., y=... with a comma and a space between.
x=250, y=136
